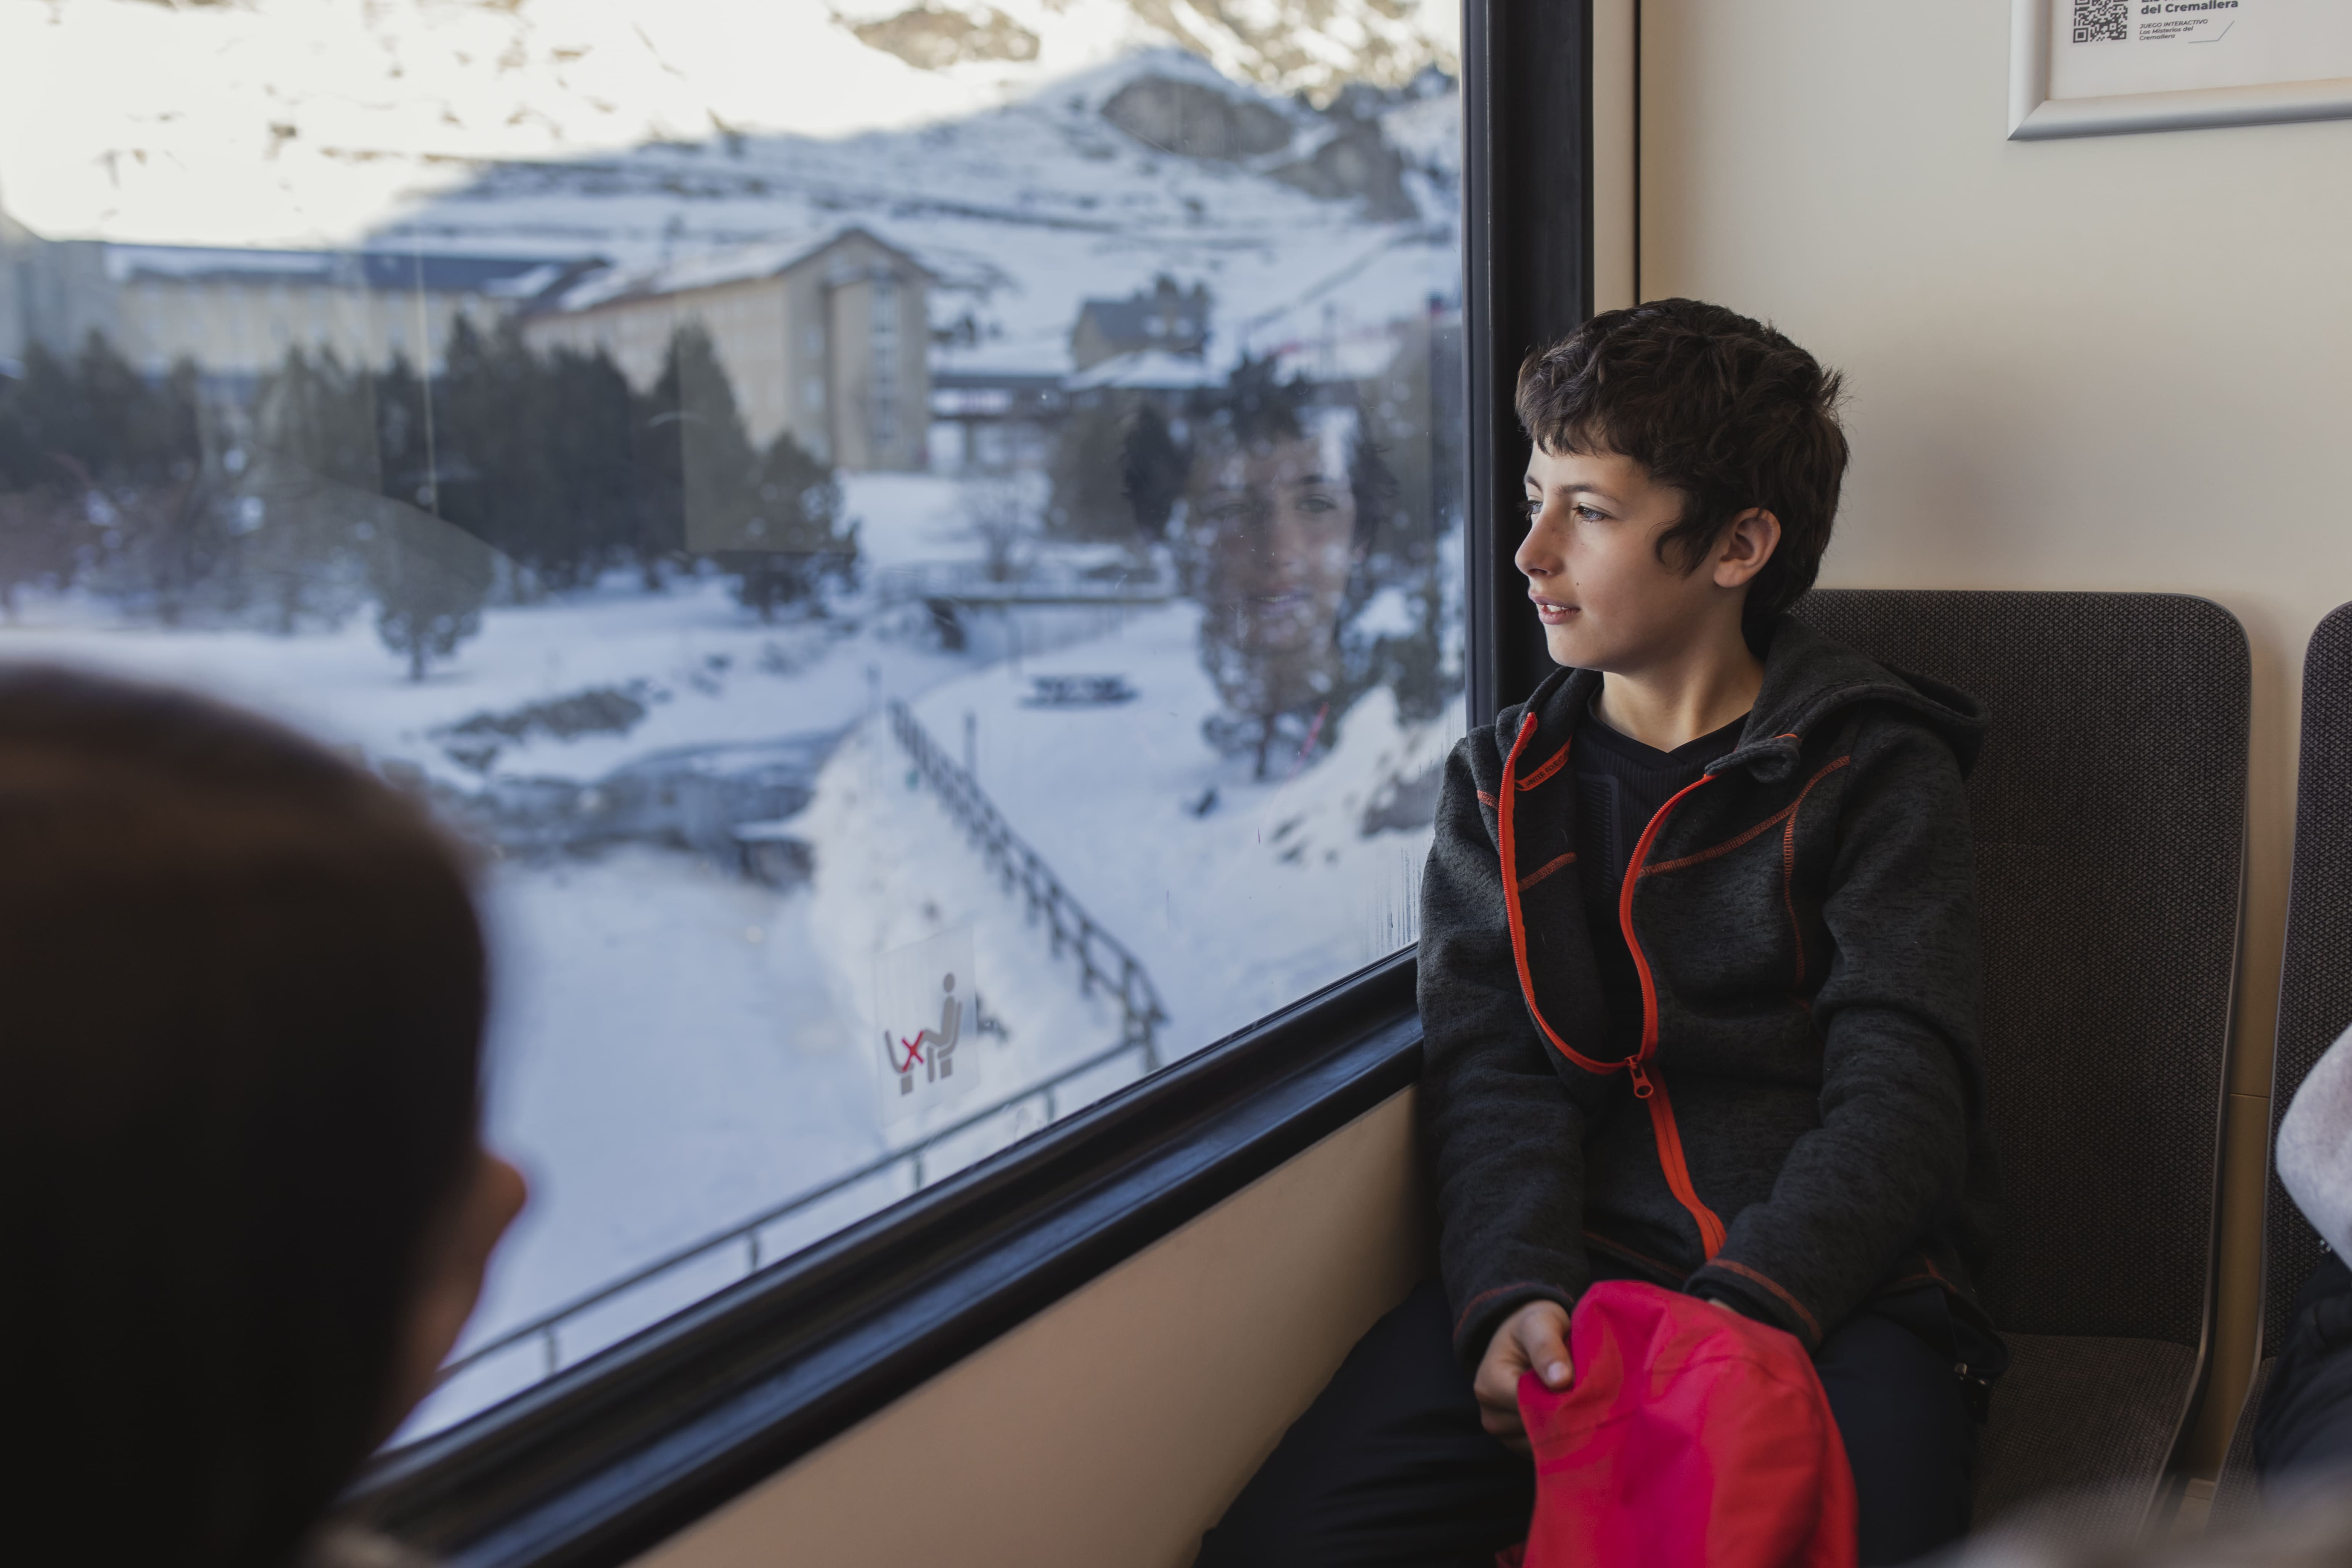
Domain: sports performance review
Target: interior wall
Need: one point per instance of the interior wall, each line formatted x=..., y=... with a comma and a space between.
x=1116, y=1426
x=2112, y=362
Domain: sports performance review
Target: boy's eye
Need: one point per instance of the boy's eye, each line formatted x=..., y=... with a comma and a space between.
x=1530, y=505
x=1590, y=514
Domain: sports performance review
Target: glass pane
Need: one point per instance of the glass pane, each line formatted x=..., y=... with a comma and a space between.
x=922, y=543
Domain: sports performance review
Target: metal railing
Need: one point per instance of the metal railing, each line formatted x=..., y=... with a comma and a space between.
x=969, y=583
x=1103, y=959
x=548, y=1328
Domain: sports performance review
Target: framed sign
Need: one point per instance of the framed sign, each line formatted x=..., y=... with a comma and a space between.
x=2094, y=67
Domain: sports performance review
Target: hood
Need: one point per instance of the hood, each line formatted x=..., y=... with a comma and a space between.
x=1809, y=679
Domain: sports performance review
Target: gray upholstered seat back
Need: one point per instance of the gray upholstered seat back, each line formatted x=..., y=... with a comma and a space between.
x=2109, y=809
x=2315, y=981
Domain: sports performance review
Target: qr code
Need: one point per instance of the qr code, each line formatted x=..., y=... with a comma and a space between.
x=2100, y=21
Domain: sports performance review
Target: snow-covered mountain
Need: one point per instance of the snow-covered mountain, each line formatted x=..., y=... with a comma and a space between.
x=1297, y=156
x=303, y=122
x=1309, y=227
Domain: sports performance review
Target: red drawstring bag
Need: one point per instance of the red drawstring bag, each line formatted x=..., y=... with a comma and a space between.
x=1692, y=1437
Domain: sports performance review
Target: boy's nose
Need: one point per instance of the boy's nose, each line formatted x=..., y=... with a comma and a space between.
x=1533, y=558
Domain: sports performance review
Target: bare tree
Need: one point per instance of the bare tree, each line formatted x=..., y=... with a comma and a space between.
x=1003, y=517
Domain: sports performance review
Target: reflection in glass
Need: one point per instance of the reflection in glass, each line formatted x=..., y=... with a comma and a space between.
x=922, y=548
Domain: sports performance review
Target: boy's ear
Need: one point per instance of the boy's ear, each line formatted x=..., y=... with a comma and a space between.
x=1744, y=547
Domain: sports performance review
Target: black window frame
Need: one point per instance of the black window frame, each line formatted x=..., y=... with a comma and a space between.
x=605, y=1459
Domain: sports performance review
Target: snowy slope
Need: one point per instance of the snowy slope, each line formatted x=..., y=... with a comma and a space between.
x=1022, y=210
x=708, y=1060
x=302, y=121
x=1273, y=891
x=644, y=134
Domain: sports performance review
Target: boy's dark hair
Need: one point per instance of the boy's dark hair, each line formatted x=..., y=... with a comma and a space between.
x=1720, y=407
x=244, y=988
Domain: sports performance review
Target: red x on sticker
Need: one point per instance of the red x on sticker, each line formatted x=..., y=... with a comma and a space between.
x=914, y=1051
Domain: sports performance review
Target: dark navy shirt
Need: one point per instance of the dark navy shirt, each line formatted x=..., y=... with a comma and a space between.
x=1619, y=785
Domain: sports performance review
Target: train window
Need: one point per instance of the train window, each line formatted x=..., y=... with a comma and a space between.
x=922, y=543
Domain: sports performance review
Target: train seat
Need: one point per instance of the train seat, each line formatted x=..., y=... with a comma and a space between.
x=2315, y=1001
x=2109, y=813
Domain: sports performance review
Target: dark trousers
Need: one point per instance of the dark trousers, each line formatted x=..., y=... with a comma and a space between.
x=2306, y=1420
x=1391, y=1467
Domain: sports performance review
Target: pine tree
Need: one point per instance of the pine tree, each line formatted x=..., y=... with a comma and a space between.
x=591, y=462
x=538, y=459
x=430, y=578
x=496, y=479
x=718, y=469
x=133, y=454
x=312, y=482
x=40, y=522
x=800, y=535
x=406, y=445
x=1152, y=470
x=1089, y=499
x=1408, y=483
x=658, y=450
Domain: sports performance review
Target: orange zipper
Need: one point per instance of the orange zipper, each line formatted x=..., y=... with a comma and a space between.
x=1647, y=1090
x=1651, y=1092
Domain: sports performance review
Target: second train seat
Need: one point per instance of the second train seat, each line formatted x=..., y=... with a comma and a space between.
x=2315, y=1001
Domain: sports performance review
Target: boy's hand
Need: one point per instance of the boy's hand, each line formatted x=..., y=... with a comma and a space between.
x=1533, y=1338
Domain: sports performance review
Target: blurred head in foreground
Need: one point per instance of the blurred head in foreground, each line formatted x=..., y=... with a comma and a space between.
x=244, y=1209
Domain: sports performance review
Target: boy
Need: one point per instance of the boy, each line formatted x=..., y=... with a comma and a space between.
x=1698, y=977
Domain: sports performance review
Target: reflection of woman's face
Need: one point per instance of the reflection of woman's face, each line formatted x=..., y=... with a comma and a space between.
x=1278, y=521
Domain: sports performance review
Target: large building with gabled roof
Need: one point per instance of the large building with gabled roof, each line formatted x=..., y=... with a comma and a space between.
x=826, y=336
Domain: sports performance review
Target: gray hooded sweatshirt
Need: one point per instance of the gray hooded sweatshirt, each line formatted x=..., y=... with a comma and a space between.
x=1803, y=1124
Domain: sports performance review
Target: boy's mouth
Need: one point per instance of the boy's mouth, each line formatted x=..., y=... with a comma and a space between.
x=1550, y=611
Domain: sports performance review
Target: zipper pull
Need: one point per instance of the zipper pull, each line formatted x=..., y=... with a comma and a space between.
x=1643, y=1086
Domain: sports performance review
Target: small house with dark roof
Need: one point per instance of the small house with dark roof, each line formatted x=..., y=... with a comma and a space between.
x=1163, y=319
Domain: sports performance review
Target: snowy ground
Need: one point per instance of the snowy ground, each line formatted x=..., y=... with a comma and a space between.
x=676, y=1047
x=1272, y=891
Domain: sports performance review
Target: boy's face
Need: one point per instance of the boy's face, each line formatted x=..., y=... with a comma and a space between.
x=1590, y=559
x=1280, y=520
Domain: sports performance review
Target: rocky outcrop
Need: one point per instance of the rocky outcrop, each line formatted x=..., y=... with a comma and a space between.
x=1192, y=121
x=1357, y=163
x=929, y=38
x=1195, y=120
x=1310, y=47
x=1315, y=48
